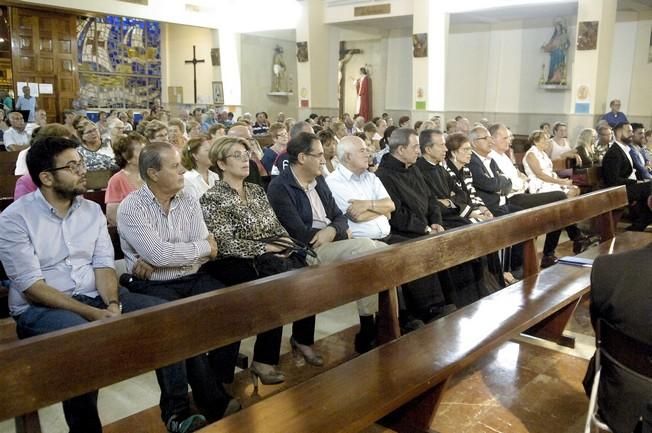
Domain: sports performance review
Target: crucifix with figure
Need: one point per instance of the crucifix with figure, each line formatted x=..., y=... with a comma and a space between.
x=345, y=56
x=194, y=62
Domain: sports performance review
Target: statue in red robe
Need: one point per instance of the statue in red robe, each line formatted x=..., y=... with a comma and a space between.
x=363, y=100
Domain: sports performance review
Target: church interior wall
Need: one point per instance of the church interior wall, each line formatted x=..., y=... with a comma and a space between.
x=398, y=88
x=493, y=71
x=177, y=46
x=640, y=96
x=256, y=75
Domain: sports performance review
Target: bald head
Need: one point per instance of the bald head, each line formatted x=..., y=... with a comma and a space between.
x=240, y=131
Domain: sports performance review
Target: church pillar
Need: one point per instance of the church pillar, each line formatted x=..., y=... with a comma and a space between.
x=590, y=72
x=313, y=76
x=429, y=73
x=230, y=69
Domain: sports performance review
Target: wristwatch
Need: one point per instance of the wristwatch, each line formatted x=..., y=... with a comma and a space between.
x=118, y=303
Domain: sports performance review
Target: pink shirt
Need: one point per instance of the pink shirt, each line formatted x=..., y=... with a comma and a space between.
x=118, y=188
x=24, y=185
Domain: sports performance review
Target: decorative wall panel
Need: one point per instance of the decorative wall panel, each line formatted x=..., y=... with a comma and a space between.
x=119, y=61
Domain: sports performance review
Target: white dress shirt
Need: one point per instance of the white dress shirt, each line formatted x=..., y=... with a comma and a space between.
x=625, y=149
x=509, y=169
x=345, y=186
x=194, y=184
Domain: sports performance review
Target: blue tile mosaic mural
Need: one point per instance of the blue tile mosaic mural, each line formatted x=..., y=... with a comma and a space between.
x=119, y=61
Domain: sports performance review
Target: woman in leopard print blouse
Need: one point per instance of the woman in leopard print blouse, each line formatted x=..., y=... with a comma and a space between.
x=240, y=218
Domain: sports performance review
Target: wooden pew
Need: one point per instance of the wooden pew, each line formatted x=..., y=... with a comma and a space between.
x=141, y=341
x=357, y=394
x=7, y=188
x=8, y=162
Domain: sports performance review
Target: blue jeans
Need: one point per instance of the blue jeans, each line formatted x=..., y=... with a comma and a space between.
x=81, y=411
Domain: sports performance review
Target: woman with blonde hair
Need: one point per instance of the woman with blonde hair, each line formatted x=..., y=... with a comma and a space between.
x=193, y=128
x=194, y=157
x=538, y=168
x=586, y=147
x=251, y=243
x=156, y=131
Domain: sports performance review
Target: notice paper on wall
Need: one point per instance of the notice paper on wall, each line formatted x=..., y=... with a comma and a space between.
x=33, y=88
x=45, y=88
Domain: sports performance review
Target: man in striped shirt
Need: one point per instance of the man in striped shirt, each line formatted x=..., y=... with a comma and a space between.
x=165, y=241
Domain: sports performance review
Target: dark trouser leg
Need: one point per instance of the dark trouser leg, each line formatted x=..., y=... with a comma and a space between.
x=574, y=233
x=303, y=331
x=172, y=379
x=81, y=411
x=551, y=242
x=527, y=201
x=423, y=295
x=267, y=348
x=207, y=390
x=205, y=381
x=641, y=214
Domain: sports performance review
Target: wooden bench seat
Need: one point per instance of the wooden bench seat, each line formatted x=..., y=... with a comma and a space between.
x=403, y=381
x=108, y=351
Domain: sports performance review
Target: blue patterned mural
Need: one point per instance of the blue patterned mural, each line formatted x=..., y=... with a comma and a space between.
x=119, y=61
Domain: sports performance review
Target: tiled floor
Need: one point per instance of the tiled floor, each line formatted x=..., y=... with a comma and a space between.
x=525, y=386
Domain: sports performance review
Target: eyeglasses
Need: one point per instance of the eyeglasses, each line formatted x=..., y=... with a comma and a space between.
x=242, y=156
x=90, y=131
x=466, y=149
x=73, y=167
x=315, y=155
x=482, y=138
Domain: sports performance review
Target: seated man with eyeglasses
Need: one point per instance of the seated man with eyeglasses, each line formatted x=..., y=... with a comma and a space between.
x=165, y=241
x=56, y=250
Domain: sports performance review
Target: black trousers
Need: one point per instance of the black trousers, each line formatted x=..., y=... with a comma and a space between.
x=206, y=372
x=425, y=296
x=267, y=349
x=527, y=201
x=641, y=215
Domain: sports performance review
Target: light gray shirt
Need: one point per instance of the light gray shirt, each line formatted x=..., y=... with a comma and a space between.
x=36, y=244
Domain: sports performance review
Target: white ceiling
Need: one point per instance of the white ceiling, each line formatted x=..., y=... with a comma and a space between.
x=516, y=13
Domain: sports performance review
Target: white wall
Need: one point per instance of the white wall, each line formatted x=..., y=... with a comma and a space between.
x=398, y=88
x=640, y=98
x=177, y=42
x=257, y=53
x=497, y=69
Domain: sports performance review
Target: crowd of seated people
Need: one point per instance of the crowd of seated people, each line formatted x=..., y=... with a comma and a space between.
x=194, y=211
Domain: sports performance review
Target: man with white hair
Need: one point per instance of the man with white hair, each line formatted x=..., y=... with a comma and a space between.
x=463, y=125
x=115, y=128
x=358, y=124
x=16, y=138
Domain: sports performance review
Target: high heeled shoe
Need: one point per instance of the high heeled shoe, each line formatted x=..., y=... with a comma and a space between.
x=267, y=374
x=306, y=352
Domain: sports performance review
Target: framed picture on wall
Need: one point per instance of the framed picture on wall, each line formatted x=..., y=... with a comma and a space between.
x=218, y=93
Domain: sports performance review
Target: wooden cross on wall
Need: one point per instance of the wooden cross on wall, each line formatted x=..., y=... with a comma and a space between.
x=194, y=62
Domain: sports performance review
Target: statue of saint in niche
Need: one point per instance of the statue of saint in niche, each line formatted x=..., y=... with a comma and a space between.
x=558, y=49
x=279, y=81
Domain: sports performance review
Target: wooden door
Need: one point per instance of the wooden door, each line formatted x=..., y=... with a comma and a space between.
x=45, y=51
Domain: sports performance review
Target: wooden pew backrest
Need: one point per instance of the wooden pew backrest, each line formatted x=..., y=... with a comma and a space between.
x=141, y=341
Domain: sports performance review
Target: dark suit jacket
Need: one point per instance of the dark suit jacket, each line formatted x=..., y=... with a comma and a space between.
x=616, y=167
x=292, y=207
x=489, y=187
x=621, y=294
